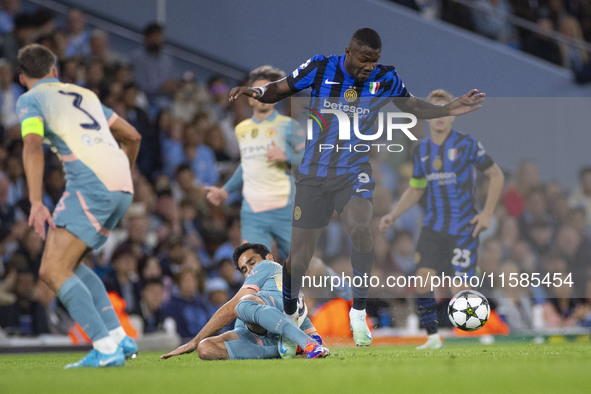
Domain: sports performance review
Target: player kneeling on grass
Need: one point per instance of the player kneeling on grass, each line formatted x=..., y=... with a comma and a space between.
x=261, y=323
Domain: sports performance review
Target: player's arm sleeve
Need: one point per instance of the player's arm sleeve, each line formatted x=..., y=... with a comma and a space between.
x=109, y=114
x=305, y=75
x=418, y=179
x=398, y=89
x=295, y=143
x=30, y=116
x=479, y=157
x=258, y=276
x=235, y=182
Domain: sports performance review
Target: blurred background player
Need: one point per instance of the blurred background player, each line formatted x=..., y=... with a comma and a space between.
x=341, y=179
x=98, y=192
x=258, y=308
x=444, y=166
x=267, y=153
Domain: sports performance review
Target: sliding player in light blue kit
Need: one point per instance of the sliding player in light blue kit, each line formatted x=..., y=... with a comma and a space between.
x=258, y=310
x=97, y=149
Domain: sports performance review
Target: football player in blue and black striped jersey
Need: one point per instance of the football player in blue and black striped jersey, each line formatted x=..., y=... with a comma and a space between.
x=445, y=165
x=341, y=178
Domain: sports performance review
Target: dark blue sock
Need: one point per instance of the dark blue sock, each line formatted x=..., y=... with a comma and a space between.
x=427, y=311
x=290, y=293
x=362, y=264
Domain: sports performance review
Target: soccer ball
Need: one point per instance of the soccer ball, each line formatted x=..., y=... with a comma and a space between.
x=468, y=310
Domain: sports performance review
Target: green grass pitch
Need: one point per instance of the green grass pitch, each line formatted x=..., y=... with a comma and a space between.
x=457, y=368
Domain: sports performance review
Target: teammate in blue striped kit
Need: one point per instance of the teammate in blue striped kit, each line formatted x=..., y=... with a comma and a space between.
x=341, y=178
x=444, y=167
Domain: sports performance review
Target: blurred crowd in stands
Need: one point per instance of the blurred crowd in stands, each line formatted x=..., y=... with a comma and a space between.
x=491, y=18
x=170, y=258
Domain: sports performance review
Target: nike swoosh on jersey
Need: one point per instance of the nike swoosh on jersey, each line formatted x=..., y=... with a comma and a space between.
x=102, y=363
x=424, y=158
x=331, y=82
x=361, y=190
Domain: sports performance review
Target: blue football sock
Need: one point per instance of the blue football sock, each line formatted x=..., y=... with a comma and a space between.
x=100, y=298
x=272, y=320
x=78, y=301
x=427, y=310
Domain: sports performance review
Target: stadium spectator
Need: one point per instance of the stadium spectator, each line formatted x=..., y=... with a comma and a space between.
x=150, y=306
x=490, y=20
x=9, y=93
x=8, y=10
x=581, y=195
x=154, y=71
x=100, y=49
x=200, y=156
x=188, y=308
x=540, y=44
x=78, y=36
x=123, y=280
x=24, y=33
x=26, y=317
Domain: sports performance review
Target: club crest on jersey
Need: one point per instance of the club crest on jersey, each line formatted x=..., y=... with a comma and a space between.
x=452, y=154
x=254, y=133
x=350, y=95
x=297, y=213
x=437, y=163
x=374, y=87
x=272, y=132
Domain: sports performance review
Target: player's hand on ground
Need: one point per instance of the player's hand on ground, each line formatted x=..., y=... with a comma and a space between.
x=385, y=222
x=183, y=349
x=469, y=102
x=37, y=218
x=480, y=222
x=274, y=153
x=245, y=90
x=216, y=195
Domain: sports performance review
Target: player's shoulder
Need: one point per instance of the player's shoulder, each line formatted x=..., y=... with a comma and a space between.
x=264, y=268
x=245, y=123
x=386, y=72
x=464, y=139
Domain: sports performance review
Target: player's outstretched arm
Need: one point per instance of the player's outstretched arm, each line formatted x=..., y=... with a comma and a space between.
x=128, y=138
x=496, y=179
x=410, y=197
x=422, y=109
x=33, y=161
x=270, y=93
x=220, y=319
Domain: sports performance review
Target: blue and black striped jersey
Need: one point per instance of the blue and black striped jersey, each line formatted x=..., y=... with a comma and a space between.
x=332, y=87
x=448, y=173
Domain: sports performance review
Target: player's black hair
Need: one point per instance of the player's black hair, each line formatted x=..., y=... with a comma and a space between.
x=266, y=72
x=152, y=28
x=35, y=60
x=259, y=249
x=367, y=37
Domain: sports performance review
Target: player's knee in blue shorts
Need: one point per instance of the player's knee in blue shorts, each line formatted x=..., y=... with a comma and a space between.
x=454, y=255
x=252, y=345
x=90, y=212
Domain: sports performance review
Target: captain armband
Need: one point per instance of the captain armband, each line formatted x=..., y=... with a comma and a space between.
x=32, y=125
x=418, y=183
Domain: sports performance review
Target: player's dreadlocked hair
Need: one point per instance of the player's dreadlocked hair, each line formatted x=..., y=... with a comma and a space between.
x=259, y=249
x=440, y=94
x=265, y=72
x=367, y=37
x=35, y=60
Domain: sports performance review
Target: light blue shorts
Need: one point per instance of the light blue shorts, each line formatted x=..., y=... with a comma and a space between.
x=263, y=227
x=90, y=212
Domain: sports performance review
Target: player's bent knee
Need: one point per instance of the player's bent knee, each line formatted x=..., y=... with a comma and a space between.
x=208, y=349
x=253, y=298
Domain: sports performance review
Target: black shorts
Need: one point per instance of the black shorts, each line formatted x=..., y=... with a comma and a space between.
x=316, y=198
x=449, y=254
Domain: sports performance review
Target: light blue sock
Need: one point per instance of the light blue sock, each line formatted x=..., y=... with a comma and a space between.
x=100, y=298
x=272, y=320
x=243, y=350
x=78, y=301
